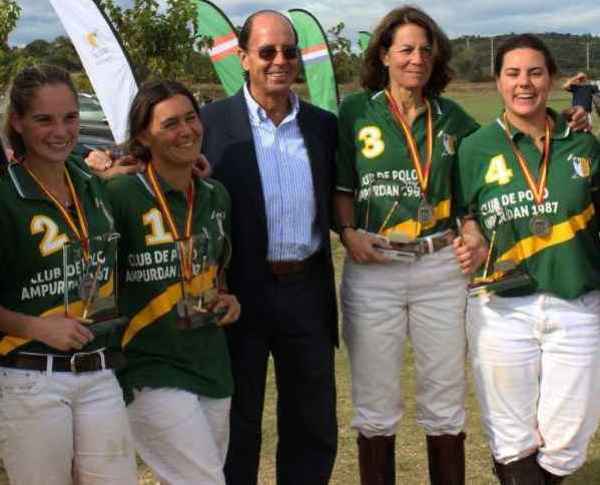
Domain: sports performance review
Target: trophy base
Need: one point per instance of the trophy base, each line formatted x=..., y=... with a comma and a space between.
x=201, y=319
x=512, y=280
x=105, y=327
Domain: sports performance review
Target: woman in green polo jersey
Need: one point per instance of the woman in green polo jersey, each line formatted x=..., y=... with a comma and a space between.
x=177, y=381
x=528, y=180
x=62, y=414
x=397, y=154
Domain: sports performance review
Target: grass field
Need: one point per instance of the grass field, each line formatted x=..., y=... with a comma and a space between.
x=483, y=103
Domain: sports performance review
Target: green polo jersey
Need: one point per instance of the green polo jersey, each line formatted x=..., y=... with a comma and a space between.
x=158, y=353
x=34, y=233
x=493, y=187
x=374, y=164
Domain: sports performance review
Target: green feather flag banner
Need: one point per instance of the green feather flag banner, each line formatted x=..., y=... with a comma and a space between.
x=363, y=40
x=213, y=23
x=318, y=65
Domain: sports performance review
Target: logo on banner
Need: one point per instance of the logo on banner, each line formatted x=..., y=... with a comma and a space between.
x=92, y=39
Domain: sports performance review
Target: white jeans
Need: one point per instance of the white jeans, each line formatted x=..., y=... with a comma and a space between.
x=536, y=362
x=182, y=437
x=61, y=428
x=382, y=304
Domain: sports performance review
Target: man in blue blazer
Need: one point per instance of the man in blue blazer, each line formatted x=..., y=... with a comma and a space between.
x=275, y=155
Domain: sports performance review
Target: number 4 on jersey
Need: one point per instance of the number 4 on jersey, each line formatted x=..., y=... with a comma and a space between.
x=498, y=171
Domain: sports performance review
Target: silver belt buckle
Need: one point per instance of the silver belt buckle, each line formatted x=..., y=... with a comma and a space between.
x=73, y=360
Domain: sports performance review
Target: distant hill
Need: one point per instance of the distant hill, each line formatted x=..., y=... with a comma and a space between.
x=472, y=54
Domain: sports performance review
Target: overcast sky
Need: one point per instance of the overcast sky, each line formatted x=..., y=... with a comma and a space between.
x=457, y=18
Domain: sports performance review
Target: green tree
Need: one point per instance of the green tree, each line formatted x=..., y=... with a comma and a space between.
x=9, y=15
x=159, y=42
x=346, y=64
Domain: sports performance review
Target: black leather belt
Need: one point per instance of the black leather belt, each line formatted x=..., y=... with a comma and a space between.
x=283, y=269
x=76, y=362
x=426, y=245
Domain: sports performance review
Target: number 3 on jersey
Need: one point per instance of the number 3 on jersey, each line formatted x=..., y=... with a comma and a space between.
x=498, y=171
x=373, y=145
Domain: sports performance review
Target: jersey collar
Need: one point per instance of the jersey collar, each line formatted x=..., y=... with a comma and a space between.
x=166, y=188
x=436, y=107
x=560, y=131
x=258, y=114
x=28, y=189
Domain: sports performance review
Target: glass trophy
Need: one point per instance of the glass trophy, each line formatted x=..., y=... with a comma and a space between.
x=90, y=283
x=395, y=239
x=200, y=275
x=498, y=275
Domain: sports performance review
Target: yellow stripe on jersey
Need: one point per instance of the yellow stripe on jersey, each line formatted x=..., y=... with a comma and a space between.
x=9, y=343
x=413, y=228
x=163, y=303
x=561, y=233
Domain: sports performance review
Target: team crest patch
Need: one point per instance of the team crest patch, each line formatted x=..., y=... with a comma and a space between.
x=449, y=142
x=581, y=166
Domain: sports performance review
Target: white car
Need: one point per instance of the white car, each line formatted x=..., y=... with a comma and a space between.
x=90, y=108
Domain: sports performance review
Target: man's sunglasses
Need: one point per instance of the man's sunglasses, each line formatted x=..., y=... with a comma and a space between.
x=269, y=52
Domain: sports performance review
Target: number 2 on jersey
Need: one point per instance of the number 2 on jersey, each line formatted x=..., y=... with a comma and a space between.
x=52, y=240
x=498, y=171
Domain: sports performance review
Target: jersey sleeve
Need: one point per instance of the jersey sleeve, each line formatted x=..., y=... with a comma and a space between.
x=345, y=174
x=7, y=246
x=465, y=179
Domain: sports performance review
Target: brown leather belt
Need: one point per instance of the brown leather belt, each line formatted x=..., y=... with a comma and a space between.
x=426, y=245
x=76, y=362
x=281, y=269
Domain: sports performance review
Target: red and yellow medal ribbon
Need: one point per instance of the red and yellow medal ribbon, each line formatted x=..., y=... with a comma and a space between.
x=163, y=205
x=80, y=230
x=537, y=187
x=422, y=171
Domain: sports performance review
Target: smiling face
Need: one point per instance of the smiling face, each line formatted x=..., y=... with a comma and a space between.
x=174, y=134
x=410, y=58
x=524, y=83
x=269, y=78
x=50, y=126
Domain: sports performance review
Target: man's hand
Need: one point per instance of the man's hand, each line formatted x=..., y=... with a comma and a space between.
x=577, y=119
x=202, y=168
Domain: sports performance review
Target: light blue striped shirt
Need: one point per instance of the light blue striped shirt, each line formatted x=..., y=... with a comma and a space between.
x=287, y=183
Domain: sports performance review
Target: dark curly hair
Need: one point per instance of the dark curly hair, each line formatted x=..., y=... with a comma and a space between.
x=524, y=41
x=140, y=114
x=375, y=76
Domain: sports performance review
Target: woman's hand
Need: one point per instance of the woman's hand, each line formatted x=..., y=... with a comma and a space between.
x=470, y=248
x=102, y=164
x=231, y=304
x=59, y=332
x=361, y=246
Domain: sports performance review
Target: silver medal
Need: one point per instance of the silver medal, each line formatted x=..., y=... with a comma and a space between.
x=540, y=226
x=425, y=212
